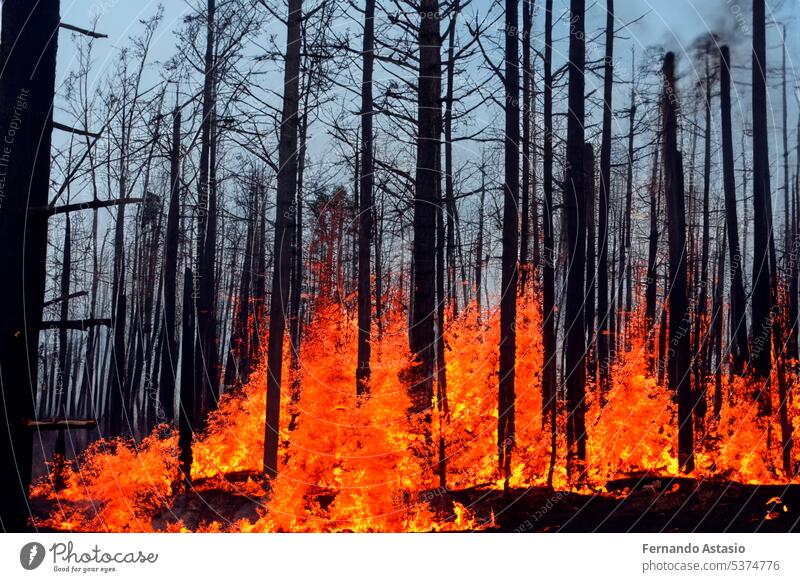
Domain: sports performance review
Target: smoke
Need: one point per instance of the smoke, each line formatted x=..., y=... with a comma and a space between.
x=676, y=25
x=731, y=21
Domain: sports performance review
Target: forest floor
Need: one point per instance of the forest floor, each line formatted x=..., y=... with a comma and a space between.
x=642, y=503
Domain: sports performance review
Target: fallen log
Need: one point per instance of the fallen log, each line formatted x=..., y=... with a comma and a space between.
x=59, y=423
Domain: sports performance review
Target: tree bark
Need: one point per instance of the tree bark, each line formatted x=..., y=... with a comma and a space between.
x=575, y=373
x=508, y=302
x=603, y=206
x=527, y=87
x=549, y=400
x=188, y=389
x=652, y=255
x=591, y=273
x=678, y=372
x=449, y=194
x=284, y=234
x=426, y=198
x=625, y=271
x=207, y=367
x=761, y=355
x=28, y=52
x=168, y=372
x=363, y=370
x=740, y=352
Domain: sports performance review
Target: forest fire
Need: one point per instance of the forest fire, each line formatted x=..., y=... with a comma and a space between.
x=415, y=266
x=348, y=463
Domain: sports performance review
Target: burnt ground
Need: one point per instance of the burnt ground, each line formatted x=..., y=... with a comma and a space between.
x=643, y=503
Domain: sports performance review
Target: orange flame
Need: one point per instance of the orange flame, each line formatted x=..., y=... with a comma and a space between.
x=349, y=463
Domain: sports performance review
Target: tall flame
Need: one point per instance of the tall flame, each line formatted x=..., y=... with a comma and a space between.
x=353, y=464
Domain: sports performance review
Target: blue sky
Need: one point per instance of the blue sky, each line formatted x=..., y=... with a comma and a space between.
x=674, y=24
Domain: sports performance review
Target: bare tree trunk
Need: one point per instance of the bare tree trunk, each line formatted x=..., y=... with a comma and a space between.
x=284, y=234
x=207, y=372
x=424, y=250
x=365, y=205
x=28, y=52
x=62, y=405
x=603, y=205
x=169, y=353
x=479, y=245
x=527, y=86
x=296, y=285
x=549, y=399
x=535, y=208
x=508, y=303
x=717, y=323
x=625, y=271
x=739, y=348
x=575, y=373
x=785, y=135
x=761, y=355
x=259, y=275
x=188, y=390
x=678, y=364
x=450, y=205
x=701, y=329
x=377, y=237
x=591, y=274
x=652, y=255
x=118, y=413
x=441, y=367
x=790, y=244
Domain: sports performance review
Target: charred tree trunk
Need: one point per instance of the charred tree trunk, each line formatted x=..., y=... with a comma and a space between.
x=449, y=194
x=575, y=373
x=740, y=352
x=603, y=205
x=377, y=238
x=761, y=355
x=790, y=247
x=441, y=367
x=169, y=349
x=717, y=323
x=508, y=302
x=527, y=88
x=62, y=404
x=259, y=275
x=591, y=274
x=625, y=270
x=652, y=255
x=701, y=329
x=365, y=205
x=118, y=413
x=426, y=198
x=284, y=234
x=62, y=384
x=296, y=285
x=678, y=372
x=535, y=207
x=188, y=390
x=785, y=135
x=28, y=52
x=207, y=372
x=549, y=400
x=479, y=244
